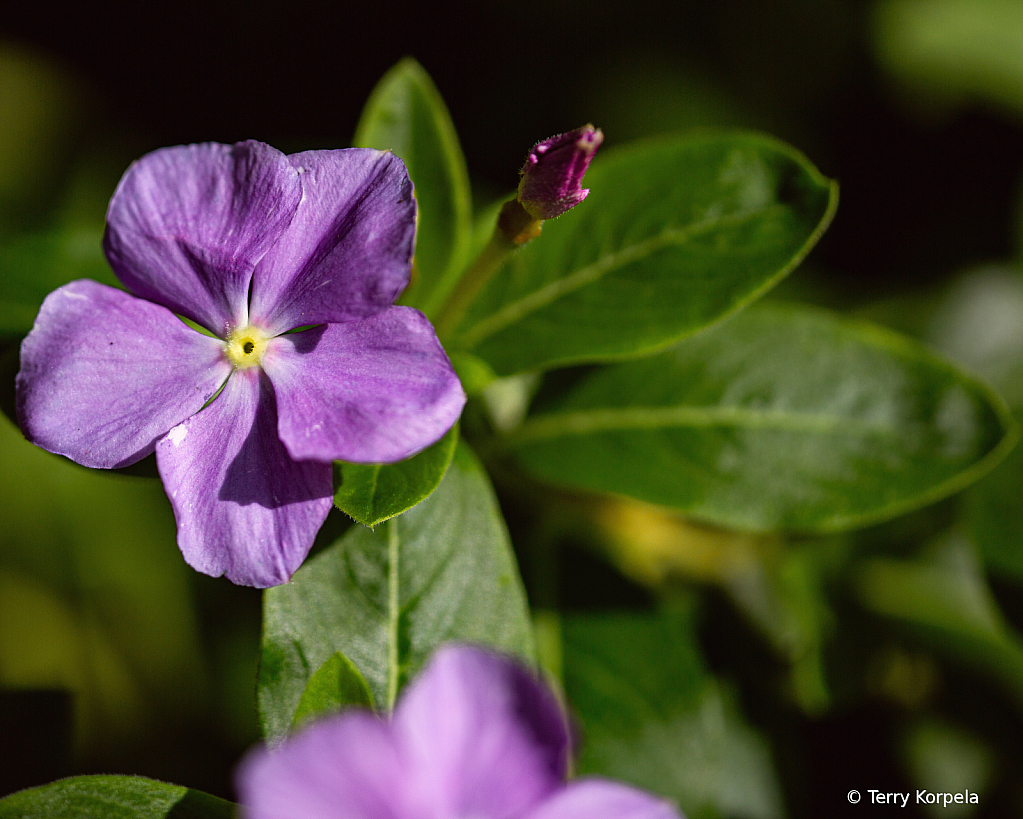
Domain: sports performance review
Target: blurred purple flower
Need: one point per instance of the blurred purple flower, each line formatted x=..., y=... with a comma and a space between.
x=553, y=173
x=252, y=245
x=474, y=737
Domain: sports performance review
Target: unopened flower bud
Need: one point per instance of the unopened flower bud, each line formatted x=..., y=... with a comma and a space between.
x=553, y=172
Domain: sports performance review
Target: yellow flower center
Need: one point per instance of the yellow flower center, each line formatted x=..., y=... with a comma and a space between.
x=245, y=347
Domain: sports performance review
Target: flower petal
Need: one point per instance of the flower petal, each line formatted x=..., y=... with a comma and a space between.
x=348, y=251
x=482, y=736
x=373, y=391
x=104, y=374
x=187, y=225
x=345, y=766
x=601, y=799
x=244, y=508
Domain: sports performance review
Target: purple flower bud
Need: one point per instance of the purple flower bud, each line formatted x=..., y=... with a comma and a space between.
x=554, y=170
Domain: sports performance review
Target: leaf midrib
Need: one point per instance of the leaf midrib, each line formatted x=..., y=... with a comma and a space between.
x=586, y=422
x=516, y=310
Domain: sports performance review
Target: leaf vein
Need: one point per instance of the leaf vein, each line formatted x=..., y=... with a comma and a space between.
x=554, y=425
x=593, y=272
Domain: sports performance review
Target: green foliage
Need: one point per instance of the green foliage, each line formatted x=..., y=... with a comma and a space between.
x=652, y=716
x=373, y=493
x=993, y=517
x=337, y=684
x=386, y=598
x=765, y=420
x=945, y=598
x=31, y=266
x=94, y=596
x=957, y=51
x=783, y=418
x=675, y=234
x=113, y=797
x=405, y=114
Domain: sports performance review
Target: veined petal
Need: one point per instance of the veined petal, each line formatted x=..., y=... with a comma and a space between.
x=187, y=225
x=244, y=508
x=481, y=736
x=602, y=799
x=104, y=374
x=344, y=766
x=348, y=252
x=372, y=391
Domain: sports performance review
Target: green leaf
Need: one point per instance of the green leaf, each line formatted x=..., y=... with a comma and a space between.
x=386, y=598
x=992, y=508
x=945, y=598
x=372, y=493
x=113, y=797
x=651, y=716
x=783, y=418
x=675, y=234
x=32, y=266
x=406, y=114
x=337, y=684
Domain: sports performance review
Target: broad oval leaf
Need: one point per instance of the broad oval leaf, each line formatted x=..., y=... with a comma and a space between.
x=675, y=234
x=386, y=598
x=782, y=418
x=406, y=114
x=337, y=684
x=373, y=493
x=113, y=797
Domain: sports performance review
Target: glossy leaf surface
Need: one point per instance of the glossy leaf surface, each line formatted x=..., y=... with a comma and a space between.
x=113, y=797
x=675, y=234
x=386, y=598
x=337, y=684
x=372, y=493
x=783, y=418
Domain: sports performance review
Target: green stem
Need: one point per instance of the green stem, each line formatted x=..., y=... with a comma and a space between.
x=393, y=613
x=514, y=228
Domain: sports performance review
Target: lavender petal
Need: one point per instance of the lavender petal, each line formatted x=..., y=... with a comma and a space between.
x=481, y=735
x=602, y=799
x=345, y=766
x=372, y=391
x=187, y=225
x=104, y=374
x=244, y=508
x=348, y=252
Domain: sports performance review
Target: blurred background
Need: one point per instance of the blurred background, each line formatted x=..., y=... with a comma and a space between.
x=888, y=659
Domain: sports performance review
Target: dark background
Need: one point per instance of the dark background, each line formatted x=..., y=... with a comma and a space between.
x=920, y=196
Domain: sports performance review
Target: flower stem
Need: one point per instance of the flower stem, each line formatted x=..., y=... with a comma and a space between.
x=393, y=613
x=514, y=228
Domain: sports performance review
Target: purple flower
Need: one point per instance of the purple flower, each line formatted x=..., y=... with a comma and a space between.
x=474, y=737
x=553, y=172
x=252, y=245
